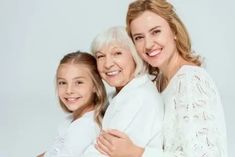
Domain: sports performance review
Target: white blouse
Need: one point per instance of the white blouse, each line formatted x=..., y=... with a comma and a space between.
x=194, y=124
x=136, y=110
x=74, y=137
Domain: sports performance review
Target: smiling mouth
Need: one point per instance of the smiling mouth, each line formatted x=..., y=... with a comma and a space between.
x=153, y=52
x=113, y=73
x=72, y=100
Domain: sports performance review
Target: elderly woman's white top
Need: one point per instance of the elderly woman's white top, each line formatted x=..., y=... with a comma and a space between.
x=136, y=110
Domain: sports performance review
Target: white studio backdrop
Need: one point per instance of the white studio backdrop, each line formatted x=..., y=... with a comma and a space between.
x=34, y=35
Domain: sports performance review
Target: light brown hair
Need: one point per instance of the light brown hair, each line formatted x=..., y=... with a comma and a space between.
x=100, y=97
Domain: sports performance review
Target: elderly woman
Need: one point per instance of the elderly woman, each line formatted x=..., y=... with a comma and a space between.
x=136, y=107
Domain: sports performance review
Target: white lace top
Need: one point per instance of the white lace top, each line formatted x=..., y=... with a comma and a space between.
x=194, y=123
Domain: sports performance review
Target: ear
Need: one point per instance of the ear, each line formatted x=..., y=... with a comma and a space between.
x=175, y=37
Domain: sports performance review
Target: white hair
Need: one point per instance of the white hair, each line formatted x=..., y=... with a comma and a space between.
x=118, y=35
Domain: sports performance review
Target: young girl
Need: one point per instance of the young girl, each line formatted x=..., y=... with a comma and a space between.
x=81, y=92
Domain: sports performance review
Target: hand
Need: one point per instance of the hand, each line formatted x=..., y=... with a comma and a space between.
x=41, y=155
x=114, y=143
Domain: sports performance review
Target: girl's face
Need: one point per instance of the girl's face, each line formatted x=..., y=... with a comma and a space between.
x=154, y=39
x=74, y=86
x=115, y=65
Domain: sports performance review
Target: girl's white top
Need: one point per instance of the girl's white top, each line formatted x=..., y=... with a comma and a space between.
x=74, y=137
x=194, y=124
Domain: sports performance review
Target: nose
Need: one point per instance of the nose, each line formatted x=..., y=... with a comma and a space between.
x=148, y=43
x=70, y=89
x=108, y=62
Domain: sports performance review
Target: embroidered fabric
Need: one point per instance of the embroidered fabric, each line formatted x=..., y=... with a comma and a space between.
x=194, y=123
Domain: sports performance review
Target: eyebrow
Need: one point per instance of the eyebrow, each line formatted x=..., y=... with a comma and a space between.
x=79, y=77
x=148, y=31
x=99, y=52
x=154, y=28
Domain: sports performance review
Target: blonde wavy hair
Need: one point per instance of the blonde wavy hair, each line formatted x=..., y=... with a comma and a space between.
x=167, y=12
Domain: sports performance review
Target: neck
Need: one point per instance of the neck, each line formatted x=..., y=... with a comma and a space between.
x=81, y=111
x=172, y=66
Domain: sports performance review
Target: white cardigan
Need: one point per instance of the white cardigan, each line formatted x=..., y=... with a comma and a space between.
x=136, y=110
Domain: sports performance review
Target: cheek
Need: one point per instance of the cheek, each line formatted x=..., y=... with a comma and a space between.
x=60, y=91
x=139, y=47
x=100, y=64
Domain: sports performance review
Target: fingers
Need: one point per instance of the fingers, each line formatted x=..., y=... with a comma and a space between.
x=100, y=148
x=117, y=133
x=108, y=138
x=105, y=140
x=104, y=144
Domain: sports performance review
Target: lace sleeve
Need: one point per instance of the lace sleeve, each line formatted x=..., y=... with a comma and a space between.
x=196, y=104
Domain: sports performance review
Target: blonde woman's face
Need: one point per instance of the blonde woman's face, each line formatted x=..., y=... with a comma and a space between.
x=115, y=65
x=154, y=39
x=74, y=86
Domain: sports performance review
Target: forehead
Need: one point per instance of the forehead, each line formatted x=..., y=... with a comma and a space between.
x=147, y=20
x=113, y=47
x=73, y=70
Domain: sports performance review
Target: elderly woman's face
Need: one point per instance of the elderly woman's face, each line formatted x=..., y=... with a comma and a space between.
x=115, y=65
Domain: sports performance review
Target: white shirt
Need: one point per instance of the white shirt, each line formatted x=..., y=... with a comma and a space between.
x=194, y=124
x=74, y=137
x=136, y=110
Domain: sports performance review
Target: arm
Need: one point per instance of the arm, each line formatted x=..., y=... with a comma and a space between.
x=41, y=155
x=199, y=114
x=117, y=144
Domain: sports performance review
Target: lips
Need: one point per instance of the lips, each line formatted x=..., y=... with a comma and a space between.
x=113, y=73
x=153, y=53
x=72, y=100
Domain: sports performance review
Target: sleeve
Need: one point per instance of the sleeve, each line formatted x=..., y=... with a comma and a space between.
x=80, y=135
x=197, y=106
x=154, y=147
x=91, y=151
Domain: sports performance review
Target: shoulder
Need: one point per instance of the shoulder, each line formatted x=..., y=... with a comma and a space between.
x=145, y=87
x=190, y=77
x=86, y=124
x=194, y=84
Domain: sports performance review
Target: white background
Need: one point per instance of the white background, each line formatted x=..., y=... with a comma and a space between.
x=34, y=35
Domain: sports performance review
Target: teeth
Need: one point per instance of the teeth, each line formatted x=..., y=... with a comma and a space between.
x=72, y=99
x=112, y=73
x=153, y=53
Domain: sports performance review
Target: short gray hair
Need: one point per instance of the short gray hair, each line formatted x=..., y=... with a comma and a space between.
x=118, y=35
